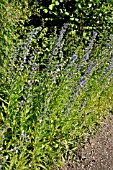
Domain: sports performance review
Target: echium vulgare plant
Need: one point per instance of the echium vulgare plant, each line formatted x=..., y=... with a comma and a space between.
x=75, y=66
x=22, y=68
x=49, y=112
x=79, y=72
x=19, y=78
x=90, y=66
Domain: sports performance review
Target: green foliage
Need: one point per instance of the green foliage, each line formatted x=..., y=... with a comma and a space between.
x=85, y=15
x=53, y=92
x=43, y=128
x=9, y=17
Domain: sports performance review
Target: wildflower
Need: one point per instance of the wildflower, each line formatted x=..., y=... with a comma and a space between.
x=94, y=35
x=14, y=149
x=65, y=26
x=73, y=58
x=61, y=32
x=77, y=93
x=82, y=81
x=59, y=39
x=24, y=136
x=89, y=48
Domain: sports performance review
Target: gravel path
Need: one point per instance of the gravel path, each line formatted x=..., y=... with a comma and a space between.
x=98, y=153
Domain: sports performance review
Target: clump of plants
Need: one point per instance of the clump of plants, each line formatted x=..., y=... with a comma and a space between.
x=53, y=96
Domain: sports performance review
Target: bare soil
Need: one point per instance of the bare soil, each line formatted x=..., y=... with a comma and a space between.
x=97, y=154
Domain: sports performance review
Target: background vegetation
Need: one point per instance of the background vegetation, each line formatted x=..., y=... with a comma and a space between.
x=56, y=71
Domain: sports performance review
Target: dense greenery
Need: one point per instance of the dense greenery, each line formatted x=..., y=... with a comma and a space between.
x=55, y=90
x=85, y=16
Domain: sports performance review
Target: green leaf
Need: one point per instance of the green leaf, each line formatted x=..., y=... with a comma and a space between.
x=5, y=108
x=5, y=37
x=90, y=5
x=56, y=3
x=45, y=10
x=42, y=166
x=53, y=1
x=51, y=6
x=79, y=5
x=67, y=13
x=84, y=34
x=3, y=100
x=76, y=19
x=73, y=32
x=72, y=19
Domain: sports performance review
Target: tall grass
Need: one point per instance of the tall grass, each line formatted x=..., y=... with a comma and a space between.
x=46, y=113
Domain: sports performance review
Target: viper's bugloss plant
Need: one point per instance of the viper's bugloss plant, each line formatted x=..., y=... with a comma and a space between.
x=52, y=98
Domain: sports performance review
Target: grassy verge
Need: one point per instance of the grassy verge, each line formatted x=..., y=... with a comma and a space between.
x=46, y=113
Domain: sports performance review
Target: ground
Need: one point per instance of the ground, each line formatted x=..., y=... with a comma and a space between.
x=97, y=154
